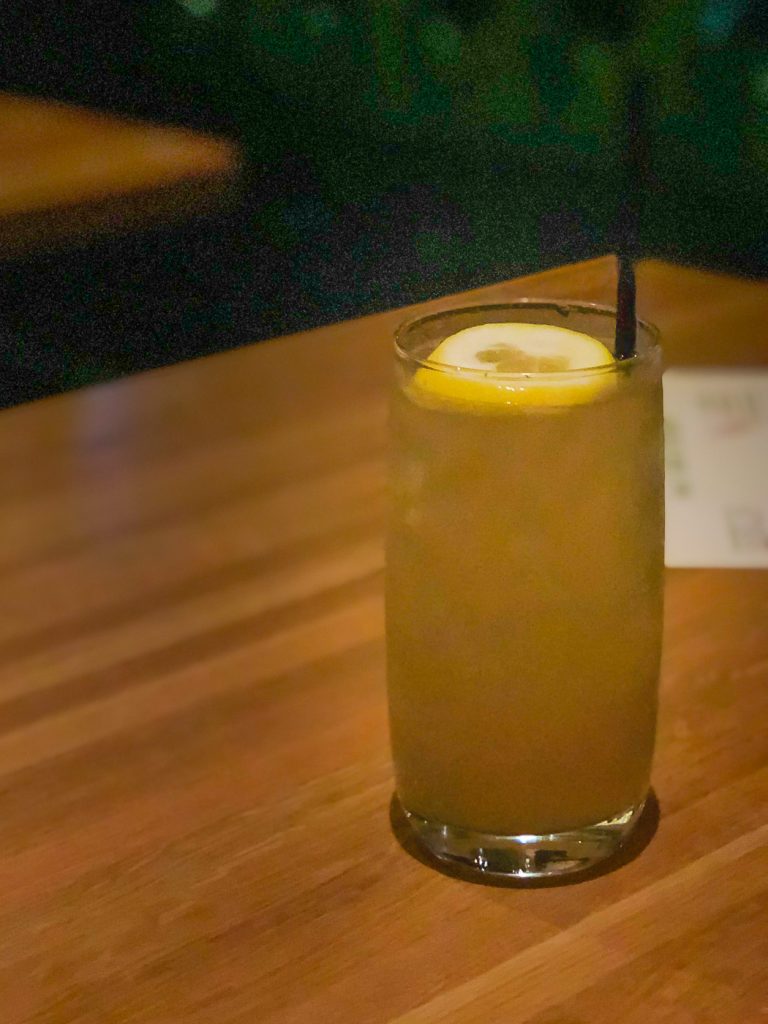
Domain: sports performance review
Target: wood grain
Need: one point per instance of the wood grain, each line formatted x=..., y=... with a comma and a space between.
x=67, y=173
x=194, y=771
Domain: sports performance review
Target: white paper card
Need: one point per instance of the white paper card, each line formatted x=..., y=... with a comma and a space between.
x=716, y=426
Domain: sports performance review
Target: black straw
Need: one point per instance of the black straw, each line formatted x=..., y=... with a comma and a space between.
x=629, y=219
x=626, y=317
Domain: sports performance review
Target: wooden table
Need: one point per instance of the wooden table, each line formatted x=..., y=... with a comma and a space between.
x=194, y=812
x=67, y=173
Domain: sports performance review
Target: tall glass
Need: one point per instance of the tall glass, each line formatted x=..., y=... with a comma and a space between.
x=524, y=602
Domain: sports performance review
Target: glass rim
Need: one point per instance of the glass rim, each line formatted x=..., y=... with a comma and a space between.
x=601, y=309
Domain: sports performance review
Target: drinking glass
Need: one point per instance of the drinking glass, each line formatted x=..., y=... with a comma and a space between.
x=524, y=599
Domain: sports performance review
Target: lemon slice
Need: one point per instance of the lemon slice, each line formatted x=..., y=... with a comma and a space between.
x=510, y=364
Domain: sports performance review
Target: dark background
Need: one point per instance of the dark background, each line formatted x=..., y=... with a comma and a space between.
x=396, y=150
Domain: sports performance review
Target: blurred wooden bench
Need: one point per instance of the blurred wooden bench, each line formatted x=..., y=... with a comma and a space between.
x=68, y=174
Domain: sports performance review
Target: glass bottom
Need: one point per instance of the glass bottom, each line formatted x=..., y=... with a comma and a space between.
x=525, y=856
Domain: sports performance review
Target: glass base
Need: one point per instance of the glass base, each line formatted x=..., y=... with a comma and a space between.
x=525, y=856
